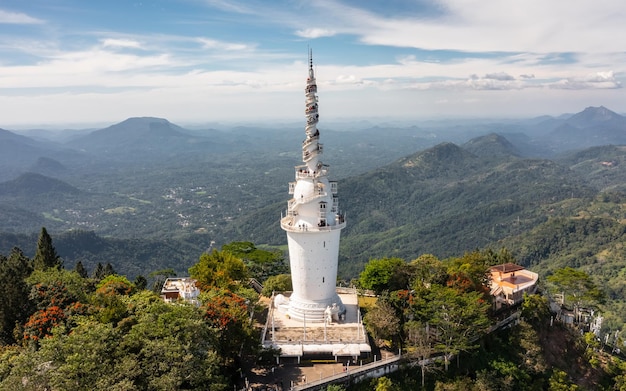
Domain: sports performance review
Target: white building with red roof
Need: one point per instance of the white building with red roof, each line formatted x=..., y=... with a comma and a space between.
x=509, y=282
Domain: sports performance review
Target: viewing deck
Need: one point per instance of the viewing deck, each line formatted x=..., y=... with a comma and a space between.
x=287, y=223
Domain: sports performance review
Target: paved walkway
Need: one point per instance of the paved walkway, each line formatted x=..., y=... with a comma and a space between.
x=290, y=375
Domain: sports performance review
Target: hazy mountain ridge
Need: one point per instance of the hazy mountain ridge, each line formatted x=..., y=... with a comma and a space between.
x=443, y=199
x=18, y=153
x=151, y=139
x=492, y=145
x=143, y=137
x=32, y=184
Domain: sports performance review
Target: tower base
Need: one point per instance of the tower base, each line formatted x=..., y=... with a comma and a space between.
x=326, y=310
x=297, y=338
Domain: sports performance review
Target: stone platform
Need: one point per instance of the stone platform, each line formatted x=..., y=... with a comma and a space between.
x=298, y=338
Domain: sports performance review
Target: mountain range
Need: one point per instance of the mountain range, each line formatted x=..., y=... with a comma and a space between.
x=442, y=188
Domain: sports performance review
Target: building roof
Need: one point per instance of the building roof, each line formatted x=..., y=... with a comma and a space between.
x=506, y=268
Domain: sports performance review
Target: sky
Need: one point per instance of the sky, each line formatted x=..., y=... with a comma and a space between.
x=70, y=62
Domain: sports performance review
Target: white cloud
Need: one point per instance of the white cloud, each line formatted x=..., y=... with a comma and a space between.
x=529, y=49
x=347, y=79
x=488, y=26
x=313, y=33
x=221, y=45
x=7, y=17
x=501, y=76
x=598, y=80
x=121, y=43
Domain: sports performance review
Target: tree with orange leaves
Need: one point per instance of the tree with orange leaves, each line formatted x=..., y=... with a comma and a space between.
x=229, y=314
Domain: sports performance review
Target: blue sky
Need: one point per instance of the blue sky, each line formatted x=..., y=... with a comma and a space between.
x=193, y=61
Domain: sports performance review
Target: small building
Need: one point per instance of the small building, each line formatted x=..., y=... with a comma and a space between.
x=509, y=282
x=180, y=288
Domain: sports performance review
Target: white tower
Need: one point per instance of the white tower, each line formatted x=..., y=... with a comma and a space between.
x=313, y=224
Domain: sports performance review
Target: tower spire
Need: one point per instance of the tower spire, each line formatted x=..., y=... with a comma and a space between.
x=313, y=223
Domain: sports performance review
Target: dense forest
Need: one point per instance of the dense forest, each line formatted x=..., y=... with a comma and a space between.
x=441, y=307
x=68, y=329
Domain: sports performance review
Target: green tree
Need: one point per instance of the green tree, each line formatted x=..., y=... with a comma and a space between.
x=279, y=283
x=559, y=382
x=80, y=269
x=384, y=274
x=382, y=322
x=578, y=287
x=469, y=272
x=418, y=344
x=218, y=269
x=141, y=282
x=98, y=272
x=115, y=284
x=160, y=347
x=383, y=383
x=15, y=305
x=427, y=270
x=535, y=308
x=159, y=277
x=110, y=301
x=46, y=256
x=260, y=263
x=174, y=348
x=460, y=318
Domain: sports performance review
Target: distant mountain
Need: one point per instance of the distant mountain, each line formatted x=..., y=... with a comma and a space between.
x=491, y=146
x=145, y=137
x=19, y=153
x=31, y=184
x=48, y=167
x=16, y=150
x=445, y=160
x=594, y=126
x=594, y=116
x=444, y=200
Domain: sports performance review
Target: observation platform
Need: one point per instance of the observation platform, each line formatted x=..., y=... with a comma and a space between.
x=297, y=338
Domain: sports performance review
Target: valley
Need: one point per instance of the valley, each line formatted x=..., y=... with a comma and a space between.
x=146, y=194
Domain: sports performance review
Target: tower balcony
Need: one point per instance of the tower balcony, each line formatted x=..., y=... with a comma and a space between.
x=303, y=200
x=311, y=108
x=302, y=172
x=288, y=224
x=308, y=155
x=312, y=119
x=310, y=140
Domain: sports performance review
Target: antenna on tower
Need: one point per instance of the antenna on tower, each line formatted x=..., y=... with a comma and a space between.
x=310, y=58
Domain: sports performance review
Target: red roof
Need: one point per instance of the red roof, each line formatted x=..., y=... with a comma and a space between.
x=506, y=268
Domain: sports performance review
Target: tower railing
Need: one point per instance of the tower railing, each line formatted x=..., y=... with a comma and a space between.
x=310, y=140
x=303, y=200
x=302, y=172
x=287, y=224
x=308, y=155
